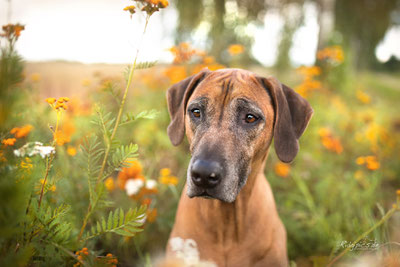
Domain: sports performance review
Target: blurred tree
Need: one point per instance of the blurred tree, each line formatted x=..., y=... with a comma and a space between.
x=228, y=20
x=326, y=21
x=363, y=24
x=294, y=18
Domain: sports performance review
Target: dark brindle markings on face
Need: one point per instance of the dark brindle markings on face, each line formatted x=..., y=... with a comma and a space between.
x=224, y=126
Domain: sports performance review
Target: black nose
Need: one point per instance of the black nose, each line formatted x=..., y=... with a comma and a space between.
x=206, y=173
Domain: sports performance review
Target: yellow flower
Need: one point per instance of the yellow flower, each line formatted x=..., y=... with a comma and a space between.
x=282, y=169
x=71, y=151
x=2, y=158
x=48, y=187
x=35, y=77
x=109, y=183
x=166, y=177
x=235, y=49
x=63, y=99
x=86, y=82
x=27, y=164
x=51, y=100
x=208, y=60
x=360, y=160
x=363, y=97
x=23, y=131
x=309, y=71
x=131, y=9
x=8, y=141
x=60, y=106
x=324, y=132
x=165, y=172
x=358, y=175
x=168, y=180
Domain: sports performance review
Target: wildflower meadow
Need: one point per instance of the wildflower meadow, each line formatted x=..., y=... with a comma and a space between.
x=91, y=178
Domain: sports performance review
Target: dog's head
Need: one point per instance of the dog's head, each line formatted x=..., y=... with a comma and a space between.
x=230, y=117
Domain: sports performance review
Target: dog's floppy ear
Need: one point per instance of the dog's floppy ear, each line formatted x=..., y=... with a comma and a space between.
x=292, y=114
x=177, y=97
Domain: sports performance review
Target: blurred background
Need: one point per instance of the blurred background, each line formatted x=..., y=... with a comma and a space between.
x=342, y=56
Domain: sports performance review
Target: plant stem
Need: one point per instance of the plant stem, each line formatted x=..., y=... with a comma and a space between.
x=49, y=159
x=121, y=108
x=362, y=236
x=117, y=122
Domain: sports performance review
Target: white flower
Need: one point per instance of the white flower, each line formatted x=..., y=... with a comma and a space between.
x=186, y=249
x=133, y=186
x=44, y=151
x=34, y=148
x=151, y=184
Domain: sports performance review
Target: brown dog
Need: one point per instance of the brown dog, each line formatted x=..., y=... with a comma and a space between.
x=230, y=117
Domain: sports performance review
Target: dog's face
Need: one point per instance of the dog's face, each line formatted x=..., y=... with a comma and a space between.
x=229, y=121
x=229, y=117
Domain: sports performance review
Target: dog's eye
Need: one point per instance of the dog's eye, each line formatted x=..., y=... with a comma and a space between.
x=250, y=118
x=196, y=112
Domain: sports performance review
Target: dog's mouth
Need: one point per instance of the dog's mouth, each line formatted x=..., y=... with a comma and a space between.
x=205, y=195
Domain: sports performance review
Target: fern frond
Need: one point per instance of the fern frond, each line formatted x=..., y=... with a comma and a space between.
x=127, y=224
x=121, y=158
x=145, y=65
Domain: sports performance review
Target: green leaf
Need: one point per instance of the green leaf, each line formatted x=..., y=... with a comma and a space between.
x=121, y=216
x=110, y=221
x=98, y=227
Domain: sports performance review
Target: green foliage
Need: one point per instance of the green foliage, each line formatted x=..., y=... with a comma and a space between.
x=119, y=223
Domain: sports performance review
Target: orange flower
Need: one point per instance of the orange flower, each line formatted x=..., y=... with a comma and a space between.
x=175, y=73
x=398, y=192
x=329, y=141
x=133, y=172
x=332, y=144
x=20, y=132
x=371, y=162
x=151, y=215
x=235, y=49
x=71, y=151
x=146, y=201
x=61, y=138
x=12, y=31
x=8, y=141
x=182, y=53
x=309, y=71
x=331, y=53
x=109, y=184
x=282, y=169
